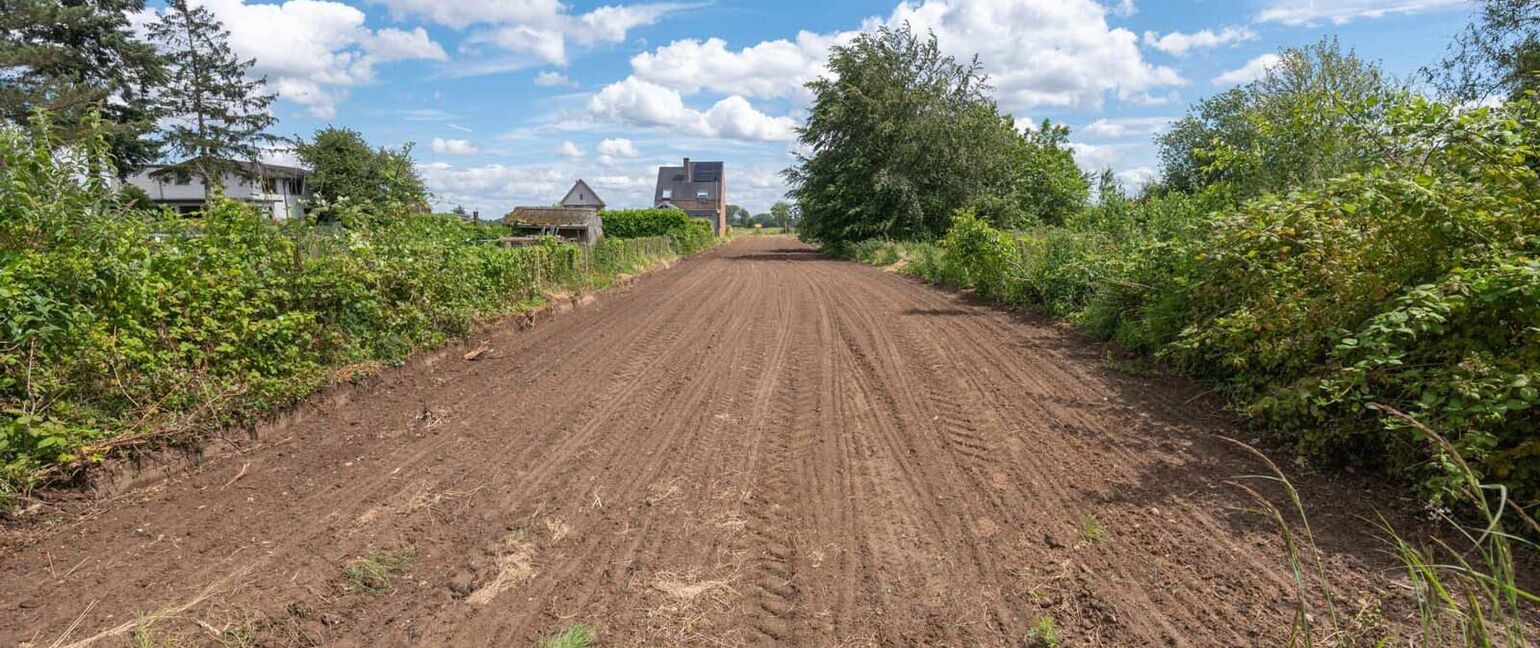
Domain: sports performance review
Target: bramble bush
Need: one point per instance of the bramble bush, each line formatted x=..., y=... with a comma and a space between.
x=122, y=326
x=1415, y=284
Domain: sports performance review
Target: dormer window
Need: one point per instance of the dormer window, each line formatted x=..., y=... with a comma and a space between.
x=668, y=194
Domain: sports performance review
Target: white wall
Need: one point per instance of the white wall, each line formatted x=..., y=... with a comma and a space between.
x=283, y=202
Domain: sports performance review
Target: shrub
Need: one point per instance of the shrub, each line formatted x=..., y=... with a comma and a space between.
x=878, y=252
x=978, y=256
x=1415, y=286
x=690, y=235
x=637, y=223
x=122, y=326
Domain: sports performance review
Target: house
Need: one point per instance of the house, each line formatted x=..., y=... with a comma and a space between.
x=698, y=188
x=580, y=224
x=279, y=190
x=582, y=196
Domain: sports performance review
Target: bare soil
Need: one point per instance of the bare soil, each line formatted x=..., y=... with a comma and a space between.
x=758, y=446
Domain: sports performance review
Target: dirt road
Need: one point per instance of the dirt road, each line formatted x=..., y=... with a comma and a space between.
x=758, y=446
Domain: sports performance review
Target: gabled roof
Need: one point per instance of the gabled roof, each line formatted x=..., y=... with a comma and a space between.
x=580, y=195
x=707, y=177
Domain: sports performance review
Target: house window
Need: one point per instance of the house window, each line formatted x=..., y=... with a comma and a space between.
x=269, y=185
x=700, y=194
x=184, y=180
x=668, y=194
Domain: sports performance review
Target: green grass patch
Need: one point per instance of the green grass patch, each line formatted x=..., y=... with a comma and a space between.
x=372, y=574
x=577, y=635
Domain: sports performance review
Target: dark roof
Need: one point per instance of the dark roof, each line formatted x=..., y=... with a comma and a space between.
x=259, y=169
x=707, y=176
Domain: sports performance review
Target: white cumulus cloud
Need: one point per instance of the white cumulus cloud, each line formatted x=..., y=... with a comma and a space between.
x=769, y=69
x=619, y=147
x=1179, y=44
x=571, y=150
x=1047, y=53
x=1251, y=71
x=532, y=31
x=642, y=103
x=1043, y=53
x=443, y=146
x=312, y=51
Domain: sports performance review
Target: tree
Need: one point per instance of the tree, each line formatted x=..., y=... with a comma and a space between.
x=1498, y=55
x=738, y=215
x=345, y=167
x=218, y=117
x=897, y=137
x=781, y=215
x=1049, y=185
x=1311, y=117
x=73, y=58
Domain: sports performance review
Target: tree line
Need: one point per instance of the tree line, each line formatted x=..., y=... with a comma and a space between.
x=179, y=92
x=900, y=136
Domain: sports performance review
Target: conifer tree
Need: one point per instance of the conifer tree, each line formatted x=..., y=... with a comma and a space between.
x=218, y=117
x=71, y=58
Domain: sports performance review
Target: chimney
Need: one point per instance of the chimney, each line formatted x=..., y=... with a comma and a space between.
x=689, y=173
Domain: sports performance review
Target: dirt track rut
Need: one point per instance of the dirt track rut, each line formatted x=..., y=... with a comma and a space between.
x=759, y=446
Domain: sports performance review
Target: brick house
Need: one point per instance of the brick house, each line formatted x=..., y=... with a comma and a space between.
x=698, y=188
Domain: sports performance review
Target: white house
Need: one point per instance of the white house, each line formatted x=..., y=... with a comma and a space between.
x=279, y=189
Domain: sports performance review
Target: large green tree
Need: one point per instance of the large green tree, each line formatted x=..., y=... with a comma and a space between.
x=344, y=167
x=1311, y=117
x=217, y=115
x=73, y=58
x=1497, y=56
x=898, y=136
x=1049, y=186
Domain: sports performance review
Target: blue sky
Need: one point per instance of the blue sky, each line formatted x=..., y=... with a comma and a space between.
x=509, y=101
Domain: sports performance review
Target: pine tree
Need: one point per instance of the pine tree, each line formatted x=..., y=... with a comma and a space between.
x=71, y=58
x=218, y=117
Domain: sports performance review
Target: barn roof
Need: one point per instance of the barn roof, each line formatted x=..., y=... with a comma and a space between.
x=552, y=216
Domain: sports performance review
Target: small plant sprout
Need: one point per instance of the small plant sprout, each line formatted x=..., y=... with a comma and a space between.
x=577, y=635
x=1091, y=531
x=1043, y=634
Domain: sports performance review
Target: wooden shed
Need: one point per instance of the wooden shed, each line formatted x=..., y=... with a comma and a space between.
x=581, y=224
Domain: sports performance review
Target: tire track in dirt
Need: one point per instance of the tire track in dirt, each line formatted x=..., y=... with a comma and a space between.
x=760, y=446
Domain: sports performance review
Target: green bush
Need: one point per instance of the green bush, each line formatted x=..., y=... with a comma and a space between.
x=637, y=223
x=978, y=256
x=690, y=235
x=877, y=252
x=119, y=326
x=1414, y=285
x=612, y=256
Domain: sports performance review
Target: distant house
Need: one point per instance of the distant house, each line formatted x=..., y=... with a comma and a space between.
x=698, y=188
x=582, y=196
x=278, y=189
